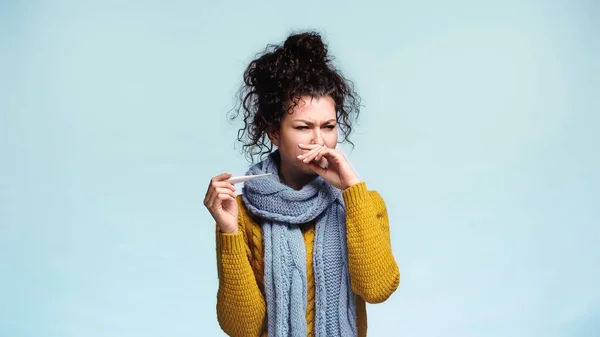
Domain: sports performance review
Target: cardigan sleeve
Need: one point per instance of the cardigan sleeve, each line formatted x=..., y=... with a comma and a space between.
x=374, y=273
x=241, y=307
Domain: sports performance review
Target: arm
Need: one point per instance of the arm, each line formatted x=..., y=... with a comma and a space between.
x=241, y=307
x=374, y=273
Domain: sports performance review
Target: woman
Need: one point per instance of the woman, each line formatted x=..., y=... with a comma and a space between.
x=301, y=250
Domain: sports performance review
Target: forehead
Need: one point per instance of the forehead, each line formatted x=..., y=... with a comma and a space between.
x=314, y=109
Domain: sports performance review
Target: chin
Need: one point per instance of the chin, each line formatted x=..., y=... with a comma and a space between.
x=305, y=170
x=308, y=171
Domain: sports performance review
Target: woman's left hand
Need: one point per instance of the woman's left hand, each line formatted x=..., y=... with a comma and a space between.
x=330, y=164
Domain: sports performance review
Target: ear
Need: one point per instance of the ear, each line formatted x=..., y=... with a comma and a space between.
x=273, y=137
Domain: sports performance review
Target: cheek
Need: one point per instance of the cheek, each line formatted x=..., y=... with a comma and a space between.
x=331, y=139
x=289, y=146
x=295, y=139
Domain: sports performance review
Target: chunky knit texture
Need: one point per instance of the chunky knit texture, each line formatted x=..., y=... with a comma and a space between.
x=241, y=306
x=282, y=210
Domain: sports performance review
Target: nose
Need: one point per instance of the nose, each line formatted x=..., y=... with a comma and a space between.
x=317, y=137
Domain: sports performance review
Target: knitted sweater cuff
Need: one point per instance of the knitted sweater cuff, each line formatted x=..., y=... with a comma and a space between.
x=355, y=194
x=232, y=243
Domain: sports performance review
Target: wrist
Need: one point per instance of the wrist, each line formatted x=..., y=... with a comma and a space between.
x=351, y=182
x=228, y=231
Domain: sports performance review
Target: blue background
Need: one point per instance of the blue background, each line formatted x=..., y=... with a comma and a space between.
x=479, y=128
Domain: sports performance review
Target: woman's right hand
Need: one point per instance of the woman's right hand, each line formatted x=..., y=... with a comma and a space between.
x=220, y=202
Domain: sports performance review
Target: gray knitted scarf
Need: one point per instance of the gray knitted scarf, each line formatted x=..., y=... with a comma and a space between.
x=281, y=211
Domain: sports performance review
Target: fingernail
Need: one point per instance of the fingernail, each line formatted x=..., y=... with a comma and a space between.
x=299, y=156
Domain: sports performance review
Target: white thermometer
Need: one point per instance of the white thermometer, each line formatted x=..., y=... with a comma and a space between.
x=241, y=179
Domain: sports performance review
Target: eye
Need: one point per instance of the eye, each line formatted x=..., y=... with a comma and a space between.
x=330, y=127
x=303, y=127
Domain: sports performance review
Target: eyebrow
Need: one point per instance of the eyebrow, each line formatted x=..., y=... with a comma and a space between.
x=311, y=123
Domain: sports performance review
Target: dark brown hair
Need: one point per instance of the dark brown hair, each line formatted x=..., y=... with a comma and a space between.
x=275, y=80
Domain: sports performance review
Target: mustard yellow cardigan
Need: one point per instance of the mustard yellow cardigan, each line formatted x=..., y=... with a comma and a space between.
x=374, y=274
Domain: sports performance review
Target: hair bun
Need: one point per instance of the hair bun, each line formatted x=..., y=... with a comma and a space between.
x=306, y=46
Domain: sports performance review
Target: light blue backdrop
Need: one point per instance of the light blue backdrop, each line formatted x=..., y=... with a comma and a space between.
x=480, y=130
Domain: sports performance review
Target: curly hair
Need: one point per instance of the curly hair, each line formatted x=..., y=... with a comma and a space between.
x=280, y=75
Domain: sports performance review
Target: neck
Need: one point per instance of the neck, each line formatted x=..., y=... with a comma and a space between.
x=293, y=178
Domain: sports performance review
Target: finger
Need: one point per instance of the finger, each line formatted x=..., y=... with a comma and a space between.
x=320, y=155
x=227, y=191
x=208, y=196
x=318, y=169
x=331, y=155
x=220, y=200
x=212, y=194
x=313, y=148
x=313, y=154
x=214, y=184
x=221, y=177
x=226, y=197
x=322, y=162
x=213, y=202
x=323, y=152
x=216, y=195
x=222, y=184
x=217, y=181
x=308, y=154
x=309, y=146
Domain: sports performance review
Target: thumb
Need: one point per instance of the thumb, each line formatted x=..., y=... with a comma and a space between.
x=317, y=168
